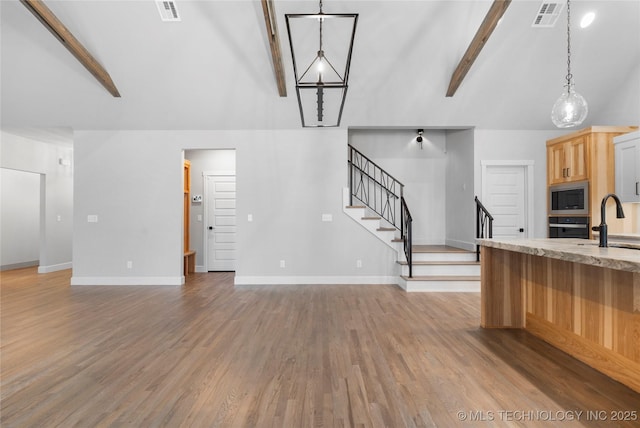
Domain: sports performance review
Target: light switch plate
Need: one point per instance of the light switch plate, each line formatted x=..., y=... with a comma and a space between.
x=92, y=218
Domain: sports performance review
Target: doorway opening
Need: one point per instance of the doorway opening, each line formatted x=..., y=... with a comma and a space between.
x=213, y=225
x=22, y=216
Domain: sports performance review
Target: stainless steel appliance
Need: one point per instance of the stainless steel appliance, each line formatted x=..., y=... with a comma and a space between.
x=569, y=199
x=569, y=227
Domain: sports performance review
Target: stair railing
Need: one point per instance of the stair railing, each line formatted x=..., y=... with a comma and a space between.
x=374, y=187
x=407, y=225
x=484, y=225
x=382, y=193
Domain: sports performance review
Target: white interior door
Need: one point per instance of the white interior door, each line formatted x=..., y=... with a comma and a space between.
x=221, y=223
x=504, y=196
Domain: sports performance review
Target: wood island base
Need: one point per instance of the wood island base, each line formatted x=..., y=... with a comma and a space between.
x=590, y=312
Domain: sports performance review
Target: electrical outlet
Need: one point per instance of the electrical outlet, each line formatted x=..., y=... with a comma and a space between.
x=358, y=263
x=129, y=264
x=282, y=264
x=92, y=218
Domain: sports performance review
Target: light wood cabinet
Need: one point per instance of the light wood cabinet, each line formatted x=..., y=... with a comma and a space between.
x=568, y=161
x=587, y=154
x=589, y=311
x=186, y=169
x=189, y=255
x=627, y=156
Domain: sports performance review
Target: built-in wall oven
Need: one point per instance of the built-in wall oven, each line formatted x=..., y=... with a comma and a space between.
x=569, y=227
x=569, y=199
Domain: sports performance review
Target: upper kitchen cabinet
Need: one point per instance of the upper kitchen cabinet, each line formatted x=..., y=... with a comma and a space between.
x=627, y=156
x=567, y=160
x=586, y=154
x=583, y=155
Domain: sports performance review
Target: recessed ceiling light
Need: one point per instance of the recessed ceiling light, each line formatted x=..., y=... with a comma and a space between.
x=587, y=19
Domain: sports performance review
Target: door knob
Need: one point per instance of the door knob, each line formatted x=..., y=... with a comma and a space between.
x=210, y=227
x=521, y=230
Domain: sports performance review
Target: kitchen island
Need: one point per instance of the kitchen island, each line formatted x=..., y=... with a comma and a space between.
x=571, y=293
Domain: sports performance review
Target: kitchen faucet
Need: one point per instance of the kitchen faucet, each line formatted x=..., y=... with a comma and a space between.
x=603, y=224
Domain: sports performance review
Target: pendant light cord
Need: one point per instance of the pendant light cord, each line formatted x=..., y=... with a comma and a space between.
x=320, y=26
x=569, y=75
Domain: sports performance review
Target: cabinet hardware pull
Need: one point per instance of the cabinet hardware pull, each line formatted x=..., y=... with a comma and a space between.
x=568, y=172
x=637, y=193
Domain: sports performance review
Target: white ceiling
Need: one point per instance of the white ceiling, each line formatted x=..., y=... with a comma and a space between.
x=213, y=69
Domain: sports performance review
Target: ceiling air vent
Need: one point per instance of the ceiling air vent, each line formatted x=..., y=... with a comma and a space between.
x=547, y=14
x=168, y=10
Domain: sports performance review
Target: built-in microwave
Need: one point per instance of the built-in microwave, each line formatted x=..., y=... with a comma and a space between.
x=569, y=199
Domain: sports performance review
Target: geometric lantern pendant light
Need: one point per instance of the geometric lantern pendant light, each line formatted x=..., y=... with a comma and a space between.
x=321, y=46
x=571, y=108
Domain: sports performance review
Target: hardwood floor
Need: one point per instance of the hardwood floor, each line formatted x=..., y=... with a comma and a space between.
x=211, y=355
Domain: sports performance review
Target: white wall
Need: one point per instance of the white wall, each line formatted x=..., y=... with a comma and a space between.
x=518, y=145
x=19, y=219
x=42, y=157
x=286, y=179
x=422, y=171
x=460, y=189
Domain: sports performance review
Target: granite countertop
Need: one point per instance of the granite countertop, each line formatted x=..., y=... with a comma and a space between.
x=574, y=250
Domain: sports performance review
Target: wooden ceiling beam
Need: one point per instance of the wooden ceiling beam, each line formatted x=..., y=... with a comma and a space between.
x=274, y=43
x=489, y=23
x=58, y=29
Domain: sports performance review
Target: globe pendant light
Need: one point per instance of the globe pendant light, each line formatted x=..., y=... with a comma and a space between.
x=571, y=108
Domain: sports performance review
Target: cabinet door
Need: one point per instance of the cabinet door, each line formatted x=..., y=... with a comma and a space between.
x=577, y=159
x=628, y=170
x=556, y=170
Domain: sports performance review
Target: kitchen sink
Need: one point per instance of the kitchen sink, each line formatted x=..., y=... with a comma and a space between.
x=626, y=246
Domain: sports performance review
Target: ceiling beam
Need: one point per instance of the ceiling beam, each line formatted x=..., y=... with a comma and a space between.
x=274, y=43
x=57, y=28
x=489, y=23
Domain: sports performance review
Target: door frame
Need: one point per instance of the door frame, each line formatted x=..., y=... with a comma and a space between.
x=528, y=187
x=205, y=190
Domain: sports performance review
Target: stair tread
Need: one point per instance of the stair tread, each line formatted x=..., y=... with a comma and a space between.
x=443, y=278
x=441, y=262
x=371, y=218
x=437, y=249
x=386, y=229
x=355, y=206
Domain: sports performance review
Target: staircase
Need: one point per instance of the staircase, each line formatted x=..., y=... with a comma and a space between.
x=435, y=268
x=441, y=268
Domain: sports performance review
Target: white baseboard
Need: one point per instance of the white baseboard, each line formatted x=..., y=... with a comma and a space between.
x=469, y=246
x=315, y=280
x=54, y=268
x=201, y=269
x=127, y=280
